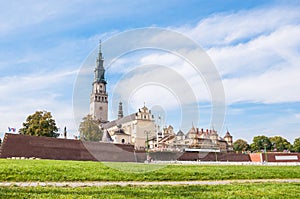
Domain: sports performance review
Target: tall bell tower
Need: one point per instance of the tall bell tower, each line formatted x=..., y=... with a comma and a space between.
x=99, y=97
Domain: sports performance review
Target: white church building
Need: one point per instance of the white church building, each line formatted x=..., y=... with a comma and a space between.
x=132, y=129
x=139, y=128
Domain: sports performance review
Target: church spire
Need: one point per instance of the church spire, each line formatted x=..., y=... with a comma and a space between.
x=120, y=112
x=99, y=70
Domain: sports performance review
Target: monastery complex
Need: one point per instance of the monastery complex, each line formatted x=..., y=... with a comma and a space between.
x=140, y=130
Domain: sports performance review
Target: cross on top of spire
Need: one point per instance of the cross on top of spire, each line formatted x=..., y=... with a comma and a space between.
x=100, y=57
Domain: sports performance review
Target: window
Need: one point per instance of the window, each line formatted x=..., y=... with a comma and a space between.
x=100, y=108
x=123, y=141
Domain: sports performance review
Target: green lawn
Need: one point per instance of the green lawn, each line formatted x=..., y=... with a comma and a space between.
x=53, y=170
x=249, y=190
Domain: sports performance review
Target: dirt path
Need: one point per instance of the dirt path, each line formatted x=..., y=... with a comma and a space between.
x=136, y=183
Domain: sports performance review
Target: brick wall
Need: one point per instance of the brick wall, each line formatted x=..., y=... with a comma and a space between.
x=222, y=157
x=255, y=157
x=16, y=145
x=282, y=157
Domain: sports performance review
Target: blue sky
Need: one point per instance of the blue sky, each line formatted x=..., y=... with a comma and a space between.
x=255, y=46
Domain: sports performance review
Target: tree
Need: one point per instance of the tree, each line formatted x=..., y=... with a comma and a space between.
x=89, y=129
x=280, y=144
x=40, y=123
x=260, y=142
x=240, y=145
x=296, y=145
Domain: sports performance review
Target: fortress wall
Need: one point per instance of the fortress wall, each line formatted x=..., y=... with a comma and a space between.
x=255, y=157
x=281, y=157
x=16, y=145
x=211, y=156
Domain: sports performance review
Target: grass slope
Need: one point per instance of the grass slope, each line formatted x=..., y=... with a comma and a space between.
x=252, y=190
x=54, y=170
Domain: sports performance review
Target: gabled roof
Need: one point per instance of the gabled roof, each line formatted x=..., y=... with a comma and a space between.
x=180, y=133
x=192, y=131
x=120, y=132
x=169, y=137
x=122, y=120
x=227, y=134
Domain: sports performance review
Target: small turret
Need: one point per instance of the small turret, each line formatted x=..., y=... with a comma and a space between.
x=228, y=138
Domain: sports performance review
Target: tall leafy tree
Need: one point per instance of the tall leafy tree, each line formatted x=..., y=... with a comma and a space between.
x=89, y=129
x=240, y=145
x=40, y=123
x=296, y=145
x=280, y=144
x=260, y=142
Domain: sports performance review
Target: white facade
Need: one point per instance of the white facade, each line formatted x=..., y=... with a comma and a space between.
x=137, y=126
x=99, y=102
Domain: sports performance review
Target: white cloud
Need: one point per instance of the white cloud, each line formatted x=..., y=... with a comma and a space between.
x=257, y=59
x=259, y=54
x=16, y=15
x=16, y=85
x=164, y=70
x=264, y=69
x=24, y=95
x=256, y=52
x=276, y=86
x=230, y=28
x=146, y=81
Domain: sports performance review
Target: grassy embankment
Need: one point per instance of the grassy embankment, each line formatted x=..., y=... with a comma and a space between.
x=251, y=190
x=51, y=170
x=47, y=170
